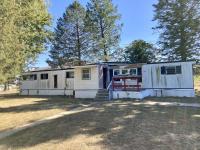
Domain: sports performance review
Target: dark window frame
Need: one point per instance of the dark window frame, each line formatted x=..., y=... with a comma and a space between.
x=44, y=76
x=171, y=70
x=127, y=71
x=83, y=74
x=30, y=77
x=70, y=74
x=118, y=70
x=136, y=71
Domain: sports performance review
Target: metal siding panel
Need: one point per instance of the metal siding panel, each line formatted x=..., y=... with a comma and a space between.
x=152, y=77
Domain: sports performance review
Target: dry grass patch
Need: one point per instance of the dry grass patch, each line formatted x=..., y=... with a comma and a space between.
x=115, y=125
x=18, y=110
x=197, y=84
x=12, y=91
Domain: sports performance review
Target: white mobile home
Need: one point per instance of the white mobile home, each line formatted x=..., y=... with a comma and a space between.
x=113, y=80
x=48, y=82
x=169, y=79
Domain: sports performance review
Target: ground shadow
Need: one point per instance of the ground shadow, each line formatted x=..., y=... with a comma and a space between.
x=45, y=103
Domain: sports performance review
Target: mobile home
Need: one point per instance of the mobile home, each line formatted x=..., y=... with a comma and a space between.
x=112, y=80
x=48, y=82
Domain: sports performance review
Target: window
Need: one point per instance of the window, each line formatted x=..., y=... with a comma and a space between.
x=139, y=71
x=124, y=72
x=69, y=74
x=86, y=74
x=163, y=70
x=30, y=77
x=44, y=76
x=178, y=70
x=55, y=81
x=169, y=70
x=116, y=72
x=24, y=77
x=133, y=71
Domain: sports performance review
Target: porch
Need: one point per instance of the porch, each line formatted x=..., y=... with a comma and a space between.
x=127, y=83
x=129, y=87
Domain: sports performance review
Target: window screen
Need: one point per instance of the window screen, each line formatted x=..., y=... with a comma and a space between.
x=124, y=71
x=133, y=71
x=116, y=72
x=30, y=77
x=44, y=76
x=178, y=70
x=70, y=74
x=86, y=74
x=170, y=70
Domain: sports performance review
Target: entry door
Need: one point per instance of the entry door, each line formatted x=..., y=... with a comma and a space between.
x=105, y=72
x=55, y=81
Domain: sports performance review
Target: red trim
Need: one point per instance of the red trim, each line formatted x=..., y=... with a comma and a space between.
x=123, y=85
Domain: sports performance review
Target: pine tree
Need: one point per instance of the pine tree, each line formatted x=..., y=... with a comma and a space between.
x=70, y=42
x=102, y=21
x=140, y=51
x=23, y=30
x=179, y=26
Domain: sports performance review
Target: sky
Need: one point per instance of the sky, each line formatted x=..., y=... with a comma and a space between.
x=136, y=16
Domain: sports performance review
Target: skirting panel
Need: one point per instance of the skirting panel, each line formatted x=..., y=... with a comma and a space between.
x=47, y=92
x=132, y=94
x=85, y=93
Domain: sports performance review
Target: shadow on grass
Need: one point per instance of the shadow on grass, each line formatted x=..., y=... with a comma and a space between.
x=121, y=125
x=43, y=103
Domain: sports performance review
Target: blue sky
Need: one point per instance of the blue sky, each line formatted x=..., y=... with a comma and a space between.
x=136, y=15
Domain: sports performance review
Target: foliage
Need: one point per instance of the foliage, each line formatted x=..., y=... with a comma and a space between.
x=102, y=22
x=179, y=26
x=70, y=41
x=197, y=70
x=23, y=30
x=140, y=51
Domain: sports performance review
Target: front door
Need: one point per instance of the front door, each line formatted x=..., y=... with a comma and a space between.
x=111, y=74
x=55, y=81
x=105, y=72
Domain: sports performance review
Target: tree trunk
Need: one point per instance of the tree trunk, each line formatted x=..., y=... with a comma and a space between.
x=103, y=36
x=78, y=44
x=5, y=87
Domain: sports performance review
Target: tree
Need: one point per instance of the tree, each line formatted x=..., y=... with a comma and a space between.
x=23, y=30
x=102, y=21
x=70, y=41
x=179, y=26
x=140, y=51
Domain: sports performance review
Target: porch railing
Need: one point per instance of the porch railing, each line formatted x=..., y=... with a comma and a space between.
x=126, y=83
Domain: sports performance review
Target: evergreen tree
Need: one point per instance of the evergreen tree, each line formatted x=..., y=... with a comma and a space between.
x=140, y=51
x=179, y=26
x=70, y=41
x=23, y=30
x=102, y=21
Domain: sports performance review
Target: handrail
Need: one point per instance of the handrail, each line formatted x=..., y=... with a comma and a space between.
x=110, y=91
x=124, y=85
x=109, y=85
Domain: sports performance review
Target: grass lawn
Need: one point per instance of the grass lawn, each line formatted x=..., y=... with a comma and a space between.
x=18, y=110
x=111, y=125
